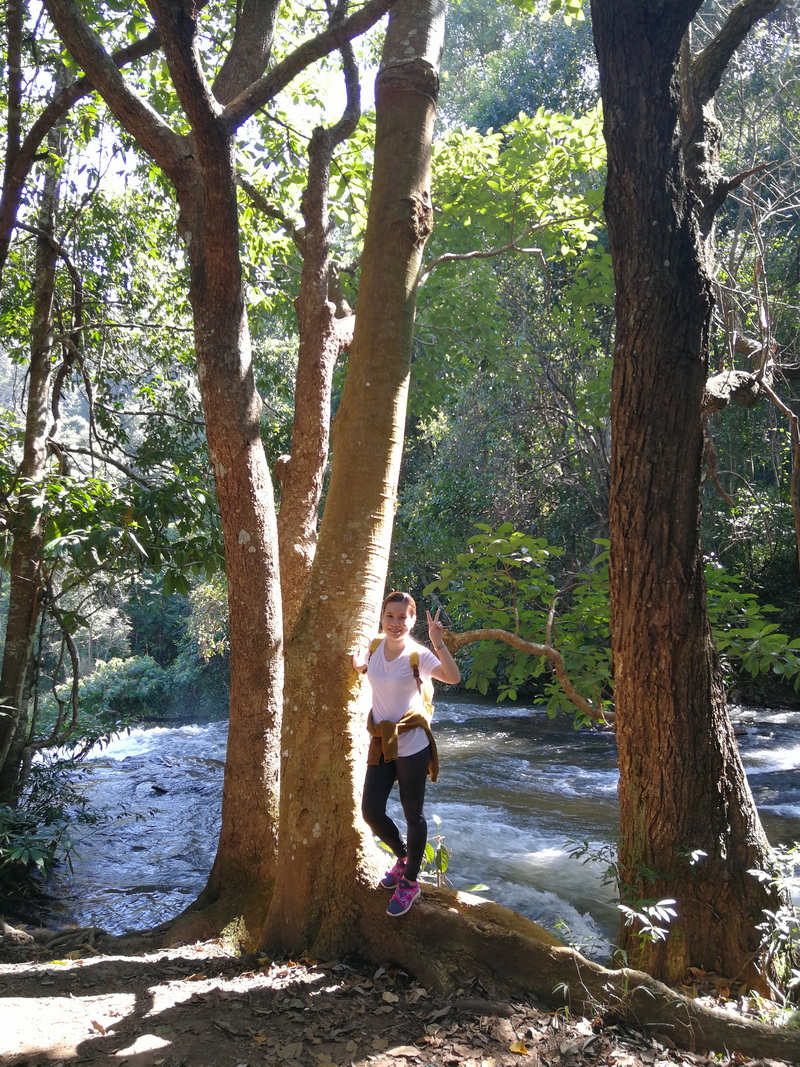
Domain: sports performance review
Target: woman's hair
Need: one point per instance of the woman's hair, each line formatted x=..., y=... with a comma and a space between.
x=400, y=598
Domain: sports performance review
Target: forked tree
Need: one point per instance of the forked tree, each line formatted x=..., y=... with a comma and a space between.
x=310, y=792
x=198, y=157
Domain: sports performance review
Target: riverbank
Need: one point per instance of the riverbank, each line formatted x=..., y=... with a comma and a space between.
x=201, y=1004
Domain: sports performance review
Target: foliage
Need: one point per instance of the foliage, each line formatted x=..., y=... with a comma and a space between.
x=123, y=690
x=499, y=61
x=648, y=916
x=36, y=833
x=208, y=622
x=781, y=928
x=741, y=631
x=535, y=189
x=157, y=623
x=23, y=844
x=505, y=580
x=137, y=689
x=436, y=860
x=509, y=408
x=436, y=857
x=123, y=493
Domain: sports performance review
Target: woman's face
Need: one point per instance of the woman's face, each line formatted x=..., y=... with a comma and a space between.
x=398, y=619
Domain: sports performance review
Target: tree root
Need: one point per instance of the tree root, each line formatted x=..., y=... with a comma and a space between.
x=448, y=938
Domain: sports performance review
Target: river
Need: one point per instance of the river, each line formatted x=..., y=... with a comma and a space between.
x=515, y=788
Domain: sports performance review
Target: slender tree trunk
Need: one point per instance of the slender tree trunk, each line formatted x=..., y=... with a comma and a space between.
x=25, y=583
x=323, y=334
x=688, y=825
x=323, y=855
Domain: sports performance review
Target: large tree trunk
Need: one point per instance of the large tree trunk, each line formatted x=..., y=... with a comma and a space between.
x=322, y=844
x=688, y=826
x=239, y=885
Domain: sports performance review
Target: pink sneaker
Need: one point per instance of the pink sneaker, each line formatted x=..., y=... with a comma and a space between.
x=394, y=874
x=404, y=896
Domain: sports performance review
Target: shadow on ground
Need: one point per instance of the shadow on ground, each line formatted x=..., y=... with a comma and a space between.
x=201, y=1006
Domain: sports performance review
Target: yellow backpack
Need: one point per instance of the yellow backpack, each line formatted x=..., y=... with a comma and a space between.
x=425, y=688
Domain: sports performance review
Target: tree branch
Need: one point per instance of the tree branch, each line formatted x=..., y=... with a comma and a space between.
x=165, y=146
x=250, y=51
x=709, y=65
x=73, y=450
x=114, y=324
x=17, y=174
x=454, y=641
x=177, y=24
x=266, y=207
x=336, y=36
x=512, y=246
x=70, y=337
x=458, y=257
x=346, y=125
x=14, y=30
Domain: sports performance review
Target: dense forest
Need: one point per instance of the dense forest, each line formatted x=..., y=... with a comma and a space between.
x=229, y=396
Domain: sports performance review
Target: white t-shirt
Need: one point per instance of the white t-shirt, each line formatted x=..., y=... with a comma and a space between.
x=394, y=691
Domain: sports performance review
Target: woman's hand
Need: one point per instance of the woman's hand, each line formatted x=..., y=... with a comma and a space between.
x=359, y=661
x=435, y=630
x=447, y=671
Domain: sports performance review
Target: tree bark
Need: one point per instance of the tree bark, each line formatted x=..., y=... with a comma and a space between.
x=682, y=787
x=202, y=169
x=323, y=847
x=243, y=868
x=241, y=877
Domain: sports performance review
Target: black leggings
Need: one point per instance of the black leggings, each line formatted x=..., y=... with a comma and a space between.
x=411, y=773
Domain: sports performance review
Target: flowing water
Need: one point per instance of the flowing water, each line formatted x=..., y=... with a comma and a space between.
x=515, y=788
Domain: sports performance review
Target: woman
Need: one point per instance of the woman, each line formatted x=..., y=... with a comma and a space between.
x=401, y=750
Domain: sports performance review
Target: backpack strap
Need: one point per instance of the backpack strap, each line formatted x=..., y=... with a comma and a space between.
x=373, y=645
x=426, y=690
x=413, y=660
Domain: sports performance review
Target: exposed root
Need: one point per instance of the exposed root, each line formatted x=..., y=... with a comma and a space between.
x=448, y=938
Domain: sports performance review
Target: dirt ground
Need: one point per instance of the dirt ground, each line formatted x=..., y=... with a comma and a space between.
x=202, y=1005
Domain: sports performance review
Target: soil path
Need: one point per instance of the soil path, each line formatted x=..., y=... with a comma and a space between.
x=202, y=1006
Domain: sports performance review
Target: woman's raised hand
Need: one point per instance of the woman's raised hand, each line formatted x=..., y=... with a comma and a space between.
x=435, y=629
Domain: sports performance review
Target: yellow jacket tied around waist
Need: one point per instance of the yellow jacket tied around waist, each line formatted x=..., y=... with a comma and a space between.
x=384, y=738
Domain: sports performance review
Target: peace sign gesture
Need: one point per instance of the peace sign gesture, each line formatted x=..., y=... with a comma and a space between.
x=435, y=629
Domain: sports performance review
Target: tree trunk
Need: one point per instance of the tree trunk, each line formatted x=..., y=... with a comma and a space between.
x=688, y=826
x=323, y=850
x=239, y=885
x=323, y=335
x=25, y=582
x=201, y=167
